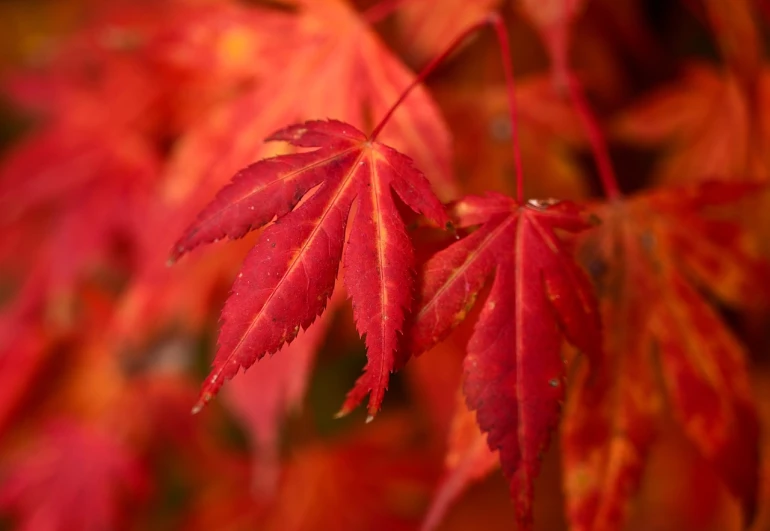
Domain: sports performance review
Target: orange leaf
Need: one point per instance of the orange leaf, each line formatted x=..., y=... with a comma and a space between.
x=651, y=257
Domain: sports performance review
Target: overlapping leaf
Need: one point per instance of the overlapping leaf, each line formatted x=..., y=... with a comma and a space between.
x=289, y=275
x=514, y=375
x=336, y=66
x=122, y=102
x=653, y=257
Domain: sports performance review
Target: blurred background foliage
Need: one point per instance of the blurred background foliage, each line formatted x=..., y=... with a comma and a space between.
x=103, y=349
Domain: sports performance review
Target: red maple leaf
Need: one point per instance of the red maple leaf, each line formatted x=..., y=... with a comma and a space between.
x=653, y=255
x=290, y=273
x=514, y=376
x=206, y=51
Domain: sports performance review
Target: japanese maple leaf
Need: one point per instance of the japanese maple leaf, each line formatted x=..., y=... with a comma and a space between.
x=290, y=273
x=71, y=479
x=336, y=66
x=654, y=255
x=513, y=371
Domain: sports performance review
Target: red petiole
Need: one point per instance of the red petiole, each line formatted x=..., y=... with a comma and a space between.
x=494, y=20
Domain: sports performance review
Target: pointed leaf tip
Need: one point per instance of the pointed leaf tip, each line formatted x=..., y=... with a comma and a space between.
x=204, y=399
x=197, y=408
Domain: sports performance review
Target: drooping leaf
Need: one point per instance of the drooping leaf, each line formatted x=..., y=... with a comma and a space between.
x=609, y=424
x=653, y=256
x=514, y=375
x=290, y=274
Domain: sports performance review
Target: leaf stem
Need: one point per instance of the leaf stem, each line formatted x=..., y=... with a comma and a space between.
x=595, y=137
x=425, y=72
x=558, y=49
x=505, y=53
x=492, y=19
